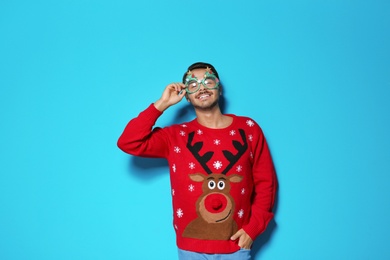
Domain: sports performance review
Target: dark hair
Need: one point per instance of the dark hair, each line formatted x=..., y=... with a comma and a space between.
x=200, y=65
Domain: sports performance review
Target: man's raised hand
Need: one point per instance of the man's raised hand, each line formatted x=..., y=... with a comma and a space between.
x=173, y=93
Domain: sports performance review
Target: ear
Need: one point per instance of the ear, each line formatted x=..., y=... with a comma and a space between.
x=235, y=178
x=197, y=177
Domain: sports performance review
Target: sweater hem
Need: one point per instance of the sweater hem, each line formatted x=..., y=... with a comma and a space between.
x=208, y=246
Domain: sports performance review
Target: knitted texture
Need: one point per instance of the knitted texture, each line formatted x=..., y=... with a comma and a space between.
x=222, y=180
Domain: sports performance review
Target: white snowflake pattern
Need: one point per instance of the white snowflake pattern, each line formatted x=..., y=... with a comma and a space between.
x=182, y=133
x=239, y=168
x=250, y=123
x=251, y=155
x=191, y=165
x=232, y=132
x=174, y=167
x=179, y=213
x=173, y=192
x=243, y=191
x=176, y=227
x=250, y=138
x=217, y=142
x=240, y=213
x=199, y=132
x=217, y=165
x=177, y=149
x=184, y=125
x=191, y=187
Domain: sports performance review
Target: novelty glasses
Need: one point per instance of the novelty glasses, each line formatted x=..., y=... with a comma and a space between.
x=209, y=81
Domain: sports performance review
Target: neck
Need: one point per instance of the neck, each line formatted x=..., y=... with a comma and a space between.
x=212, y=118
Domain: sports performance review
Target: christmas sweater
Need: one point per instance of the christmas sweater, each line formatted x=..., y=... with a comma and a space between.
x=222, y=180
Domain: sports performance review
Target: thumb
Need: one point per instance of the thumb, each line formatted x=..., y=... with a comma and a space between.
x=236, y=235
x=182, y=93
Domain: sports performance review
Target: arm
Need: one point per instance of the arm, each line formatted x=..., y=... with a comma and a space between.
x=138, y=138
x=265, y=184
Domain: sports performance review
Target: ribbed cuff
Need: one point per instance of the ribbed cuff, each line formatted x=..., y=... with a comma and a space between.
x=256, y=226
x=152, y=112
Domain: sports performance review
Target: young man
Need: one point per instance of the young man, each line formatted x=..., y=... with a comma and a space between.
x=222, y=176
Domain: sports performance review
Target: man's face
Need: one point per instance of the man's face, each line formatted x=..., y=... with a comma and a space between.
x=204, y=98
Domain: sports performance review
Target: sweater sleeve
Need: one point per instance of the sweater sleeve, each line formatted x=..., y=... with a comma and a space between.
x=265, y=184
x=140, y=139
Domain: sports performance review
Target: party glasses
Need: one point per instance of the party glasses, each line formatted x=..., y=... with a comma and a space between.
x=193, y=84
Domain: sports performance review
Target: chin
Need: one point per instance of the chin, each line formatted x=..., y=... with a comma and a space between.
x=206, y=107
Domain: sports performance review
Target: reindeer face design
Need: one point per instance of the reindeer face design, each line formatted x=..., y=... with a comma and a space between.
x=215, y=206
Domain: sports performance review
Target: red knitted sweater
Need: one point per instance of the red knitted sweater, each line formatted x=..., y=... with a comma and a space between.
x=222, y=179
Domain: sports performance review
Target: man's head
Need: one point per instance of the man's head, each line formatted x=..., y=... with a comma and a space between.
x=200, y=77
x=199, y=66
x=202, y=85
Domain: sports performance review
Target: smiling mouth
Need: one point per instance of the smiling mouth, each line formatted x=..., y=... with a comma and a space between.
x=222, y=219
x=203, y=96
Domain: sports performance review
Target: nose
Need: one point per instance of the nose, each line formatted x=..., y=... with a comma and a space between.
x=215, y=203
x=201, y=88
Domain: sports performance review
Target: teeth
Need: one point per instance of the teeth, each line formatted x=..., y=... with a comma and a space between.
x=203, y=96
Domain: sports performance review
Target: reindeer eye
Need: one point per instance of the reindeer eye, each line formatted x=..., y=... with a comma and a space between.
x=212, y=185
x=221, y=185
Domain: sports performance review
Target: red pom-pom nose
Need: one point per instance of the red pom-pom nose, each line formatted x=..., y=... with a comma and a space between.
x=215, y=203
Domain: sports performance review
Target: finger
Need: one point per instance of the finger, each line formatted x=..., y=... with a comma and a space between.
x=242, y=243
x=236, y=235
x=245, y=242
x=172, y=86
x=178, y=87
x=182, y=86
x=182, y=93
x=245, y=246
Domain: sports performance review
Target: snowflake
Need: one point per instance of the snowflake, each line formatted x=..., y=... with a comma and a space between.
x=217, y=165
x=182, y=133
x=199, y=132
x=240, y=213
x=179, y=213
x=232, y=132
x=250, y=123
x=184, y=125
x=173, y=192
x=191, y=165
x=191, y=187
x=217, y=142
x=239, y=168
x=243, y=191
x=176, y=149
x=251, y=155
x=250, y=138
x=176, y=227
x=174, y=168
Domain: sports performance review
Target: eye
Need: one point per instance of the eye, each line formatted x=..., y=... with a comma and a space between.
x=211, y=185
x=209, y=82
x=192, y=84
x=221, y=185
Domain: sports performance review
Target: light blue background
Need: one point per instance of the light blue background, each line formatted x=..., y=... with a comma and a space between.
x=314, y=74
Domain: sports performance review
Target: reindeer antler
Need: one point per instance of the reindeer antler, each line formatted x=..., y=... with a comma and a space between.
x=241, y=148
x=203, y=159
x=194, y=149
